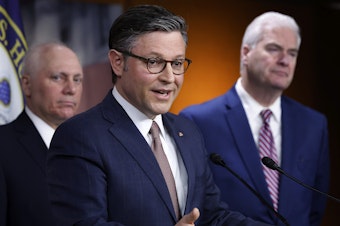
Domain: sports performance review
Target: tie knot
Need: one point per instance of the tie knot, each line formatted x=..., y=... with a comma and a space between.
x=265, y=114
x=154, y=130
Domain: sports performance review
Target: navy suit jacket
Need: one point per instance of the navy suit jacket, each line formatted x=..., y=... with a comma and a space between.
x=101, y=171
x=305, y=156
x=23, y=185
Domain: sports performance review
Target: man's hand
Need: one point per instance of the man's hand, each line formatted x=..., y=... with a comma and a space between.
x=189, y=219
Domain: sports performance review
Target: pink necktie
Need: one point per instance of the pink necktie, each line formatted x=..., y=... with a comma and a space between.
x=267, y=148
x=164, y=165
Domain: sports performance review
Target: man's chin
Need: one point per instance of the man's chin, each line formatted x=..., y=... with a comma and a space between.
x=66, y=114
x=162, y=109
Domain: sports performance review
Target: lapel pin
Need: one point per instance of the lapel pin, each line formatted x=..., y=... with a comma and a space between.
x=180, y=134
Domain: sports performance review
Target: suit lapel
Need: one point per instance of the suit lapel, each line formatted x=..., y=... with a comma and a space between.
x=124, y=130
x=240, y=128
x=288, y=155
x=182, y=141
x=247, y=149
x=31, y=140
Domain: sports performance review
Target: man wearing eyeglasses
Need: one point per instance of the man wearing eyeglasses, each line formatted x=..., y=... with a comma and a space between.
x=107, y=167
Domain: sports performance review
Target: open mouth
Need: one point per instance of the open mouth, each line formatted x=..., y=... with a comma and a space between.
x=162, y=93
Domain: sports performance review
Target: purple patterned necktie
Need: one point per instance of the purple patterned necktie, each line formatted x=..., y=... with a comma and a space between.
x=164, y=165
x=267, y=149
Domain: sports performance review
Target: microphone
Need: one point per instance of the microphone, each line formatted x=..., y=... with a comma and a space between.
x=270, y=163
x=217, y=159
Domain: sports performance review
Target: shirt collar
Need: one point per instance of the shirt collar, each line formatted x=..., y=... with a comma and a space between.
x=251, y=105
x=142, y=122
x=46, y=131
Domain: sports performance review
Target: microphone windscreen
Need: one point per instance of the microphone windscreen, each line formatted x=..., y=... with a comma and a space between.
x=215, y=158
x=269, y=163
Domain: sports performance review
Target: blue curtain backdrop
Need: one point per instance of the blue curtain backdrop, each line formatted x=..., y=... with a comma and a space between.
x=13, y=47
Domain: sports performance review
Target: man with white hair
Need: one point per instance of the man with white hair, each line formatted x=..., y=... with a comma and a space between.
x=52, y=83
x=254, y=120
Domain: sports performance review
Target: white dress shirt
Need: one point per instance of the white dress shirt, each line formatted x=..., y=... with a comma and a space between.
x=143, y=123
x=253, y=110
x=46, y=131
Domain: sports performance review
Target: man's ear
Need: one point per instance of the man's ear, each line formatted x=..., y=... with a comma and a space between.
x=244, y=54
x=26, y=84
x=117, y=61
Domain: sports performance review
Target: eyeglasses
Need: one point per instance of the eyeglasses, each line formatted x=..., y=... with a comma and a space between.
x=156, y=65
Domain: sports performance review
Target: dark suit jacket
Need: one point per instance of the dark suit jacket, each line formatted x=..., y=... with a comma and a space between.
x=101, y=171
x=304, y=155
x=23, y=183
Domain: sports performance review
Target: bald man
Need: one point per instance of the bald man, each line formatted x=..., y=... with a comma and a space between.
x=52, y=83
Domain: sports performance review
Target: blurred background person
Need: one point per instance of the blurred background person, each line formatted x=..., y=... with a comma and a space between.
x=51, y=81
x=293, y=135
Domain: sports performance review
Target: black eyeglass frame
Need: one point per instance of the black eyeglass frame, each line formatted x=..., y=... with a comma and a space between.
x=146, y=61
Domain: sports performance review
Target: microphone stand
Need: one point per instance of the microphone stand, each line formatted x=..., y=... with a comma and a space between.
x=215, y=158
x=268, y=162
